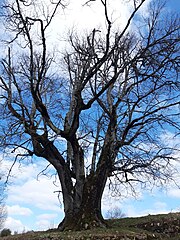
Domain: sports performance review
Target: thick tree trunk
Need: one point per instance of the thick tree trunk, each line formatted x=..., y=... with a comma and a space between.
x=89, y=214
x=82, y=201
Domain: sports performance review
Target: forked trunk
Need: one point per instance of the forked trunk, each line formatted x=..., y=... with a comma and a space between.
x=89, y=214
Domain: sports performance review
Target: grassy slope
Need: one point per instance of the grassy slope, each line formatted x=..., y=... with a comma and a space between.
x=165, y=226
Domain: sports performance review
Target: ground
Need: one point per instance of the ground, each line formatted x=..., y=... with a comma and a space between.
x=164, y=226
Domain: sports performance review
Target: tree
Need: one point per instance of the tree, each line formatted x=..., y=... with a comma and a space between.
x=3, y=212
x=5, y=232
x=115, y=213
x=100, y=113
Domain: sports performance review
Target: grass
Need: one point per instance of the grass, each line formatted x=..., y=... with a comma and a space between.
x=163, y=226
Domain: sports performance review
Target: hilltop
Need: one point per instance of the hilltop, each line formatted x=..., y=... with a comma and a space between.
x=163, y=226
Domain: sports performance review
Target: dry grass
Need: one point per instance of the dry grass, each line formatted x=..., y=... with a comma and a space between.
x=165, y=226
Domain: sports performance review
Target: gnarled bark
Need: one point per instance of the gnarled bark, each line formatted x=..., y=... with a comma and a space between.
x=89, y=214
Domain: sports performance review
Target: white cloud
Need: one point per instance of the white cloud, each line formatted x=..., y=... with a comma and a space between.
x=170, y=139
x=144, y=8
x=15, y=225
x=93, y=15
x=17, y=210
x=157, y=208
x=46, y=221
x=131, y=211
x=21, y=172
x=46, y=216
x=80, y=17
x=24, y=188
x=154, y=202
x=174, y=192
x=44, y=224
x=160, y=205
x=37, y=193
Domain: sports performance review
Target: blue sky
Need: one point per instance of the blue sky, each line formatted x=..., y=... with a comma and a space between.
x=33, y=203
x=174, y=4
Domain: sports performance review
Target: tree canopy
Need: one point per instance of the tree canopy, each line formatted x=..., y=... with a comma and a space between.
x=98, y=111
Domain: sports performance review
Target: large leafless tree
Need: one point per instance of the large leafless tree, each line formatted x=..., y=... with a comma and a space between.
x=100, y=113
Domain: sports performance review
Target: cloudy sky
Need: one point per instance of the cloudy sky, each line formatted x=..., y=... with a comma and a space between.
x=33, y=202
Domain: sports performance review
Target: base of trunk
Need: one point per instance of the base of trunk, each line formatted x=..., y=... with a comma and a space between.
x=88, y=213
x=83, y=221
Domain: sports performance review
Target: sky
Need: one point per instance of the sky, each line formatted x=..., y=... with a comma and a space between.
x=32, y=201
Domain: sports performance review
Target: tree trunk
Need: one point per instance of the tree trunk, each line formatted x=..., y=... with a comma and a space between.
x=82, y=201
x=89, y=214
